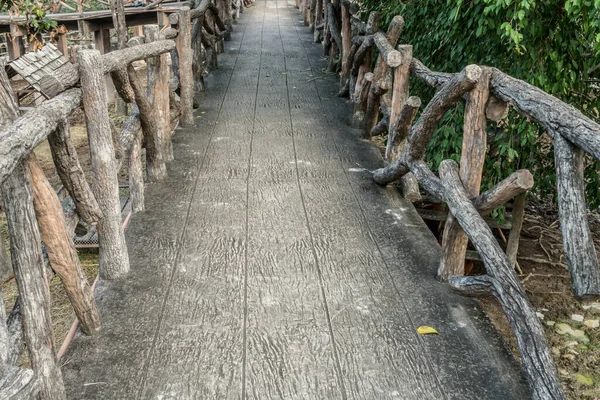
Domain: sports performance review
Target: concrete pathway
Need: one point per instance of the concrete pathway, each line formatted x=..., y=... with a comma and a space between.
x=270, y=266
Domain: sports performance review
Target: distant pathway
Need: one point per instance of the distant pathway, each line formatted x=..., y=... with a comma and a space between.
x=270, y=266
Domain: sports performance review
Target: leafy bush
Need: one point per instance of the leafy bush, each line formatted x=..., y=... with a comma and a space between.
x=552, y=44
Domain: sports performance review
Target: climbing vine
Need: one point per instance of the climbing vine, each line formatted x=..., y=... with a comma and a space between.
x=552, y=44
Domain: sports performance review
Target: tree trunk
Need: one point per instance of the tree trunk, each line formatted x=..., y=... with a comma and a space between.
x=401, y=126
x=518, y=212
x=114, y=260
x=61, y=250
x=136, y=175
x=186, y=76
x=71, y=175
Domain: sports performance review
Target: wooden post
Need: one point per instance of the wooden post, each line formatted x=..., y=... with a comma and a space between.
x=61, y=250
x=102, y=40
x=400, y=92
x=186, y=76
x=15, y=44
x=158, y=92
x=28, y=267
x=474, y=146
x=61, y=44
x=346, y=45
x=518, y=212
x=577, y=238
x=71, y=175
x=136, y=175
x=114, y=260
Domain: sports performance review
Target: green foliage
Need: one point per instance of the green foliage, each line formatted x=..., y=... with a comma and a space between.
x=552, y=44
x=37, y=22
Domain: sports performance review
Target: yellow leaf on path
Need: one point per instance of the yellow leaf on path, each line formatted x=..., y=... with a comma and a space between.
x=426, y=330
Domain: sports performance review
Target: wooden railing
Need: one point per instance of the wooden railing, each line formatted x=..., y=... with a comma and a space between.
x=384, y=90
x=33, y=211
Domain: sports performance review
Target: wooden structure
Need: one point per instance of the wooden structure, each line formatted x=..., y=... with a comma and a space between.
x=32, y=208
x=383, y=92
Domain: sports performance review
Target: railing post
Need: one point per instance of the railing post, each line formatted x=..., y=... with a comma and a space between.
x=186, y=76
x=28, y=267
x=114, y=260
x=455, y=241
x=577, y=239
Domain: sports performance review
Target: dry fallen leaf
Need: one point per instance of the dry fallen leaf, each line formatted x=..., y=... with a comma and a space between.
x=426, y=330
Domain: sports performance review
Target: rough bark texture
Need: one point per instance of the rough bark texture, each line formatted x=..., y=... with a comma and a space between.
x=535, y=354
x=376, y=90
x=27, y=131
x=136, y=174
x=401, y=125
x=518, y=212
x=122, y=85
x=156, y=169
x=186, y=76
x=577, y=238
x=19, y=384
x=114, y=260
x=409, y=187
x=400, y=94
x=387, y=56
x=61, y=250
x=474, y=147
x=420, y=134
x=516, y=183
x=129, y=131
x=119, y=23
x=28, y=267
x=158, y=92
x=346, y=46
x=71, y=175
x=121, y=58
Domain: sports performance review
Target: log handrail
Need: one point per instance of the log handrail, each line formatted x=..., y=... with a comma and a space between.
x=489, y=92
x=154, y=111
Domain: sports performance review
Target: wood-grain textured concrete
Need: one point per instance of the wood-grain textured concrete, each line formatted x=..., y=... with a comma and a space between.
x=270, y=266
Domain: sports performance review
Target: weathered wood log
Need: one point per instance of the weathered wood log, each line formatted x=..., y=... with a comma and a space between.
x=391, y=56
x=114, y=260
x=136, y=175
x=373, y=23
x=535, y=355
x=121, y=58
x=61, y=250
x=376, y=90
x=16, y=340
x=129, y=131
x=27, y=131
x=361, y=54
x=216, y=17
x=517, y=214
x=334, y=26
x=401, y=126
x=577, y=238
x=362, y=95
x=197, y=54
x=400, y=94
x=382, y=127
x=473, y=286
x=122, y=85
x=158, y=91
x=386, y=44
x=168, y=34
x=409, y=187
x=28, y=267
x=71, y=174
x=432, y=78
x=19, y=384
x=557, y=117
x=119, y=23
x=420, y=134
x=346, y=32
x=474, y=147
x=516, y=183
x=156, y=169
x=186, y=75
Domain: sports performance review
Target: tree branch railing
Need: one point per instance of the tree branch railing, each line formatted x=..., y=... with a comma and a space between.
x=32, y=208
x=382, y=102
